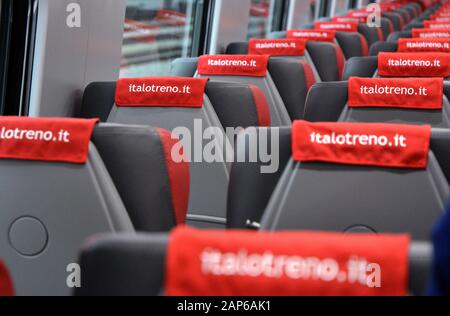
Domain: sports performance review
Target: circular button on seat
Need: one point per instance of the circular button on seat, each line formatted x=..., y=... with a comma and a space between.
x=360, y=229
x=28, y=236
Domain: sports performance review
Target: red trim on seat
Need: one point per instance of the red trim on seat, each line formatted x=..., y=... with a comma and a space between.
x=402, y=21
x=309, y=74
x=409, y=18
x=179, y=177
x=262, y=107
x=340, y=61
x=6, y=284
x=380, y=34
x=391, y=26
x=364, y=45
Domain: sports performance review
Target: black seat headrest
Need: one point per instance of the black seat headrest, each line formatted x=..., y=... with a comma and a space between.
x=238, y=105
x=328, y=59
x=394, y=37
x=237, y=48
x=352, y=44
x=360, y=67
x=378, y=47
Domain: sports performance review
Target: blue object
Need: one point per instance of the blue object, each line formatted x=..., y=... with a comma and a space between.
x=440, y=276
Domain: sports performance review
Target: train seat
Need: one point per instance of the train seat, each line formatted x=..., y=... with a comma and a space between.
x=70, y=196
x=350, y=103
x=182, y=264
x=246, y=206
x=330, y=187
x=118, y=179
x=239, y=105
x=351, y=43
x=422, y=40
x=220, y=105
x=248, y=69
x=289, y=68
x=154, y=189
x=325, y=58
x=370, y=34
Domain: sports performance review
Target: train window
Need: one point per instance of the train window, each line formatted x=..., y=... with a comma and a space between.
x=339, y=7
x=157, y=32
x=313, y=10
x=280, y=15
x=260, y=23
x=304, y=12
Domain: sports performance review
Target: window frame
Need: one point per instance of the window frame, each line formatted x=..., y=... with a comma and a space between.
x=281, y=15
x=20, y=51
x=202, y=27
x=5, y=37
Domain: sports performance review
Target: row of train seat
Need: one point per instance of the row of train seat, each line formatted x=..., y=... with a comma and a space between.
x=207, y=200
x=129, y=181
x=288, y=79
x=177, y=269
x=293, y=197
x=208, y=261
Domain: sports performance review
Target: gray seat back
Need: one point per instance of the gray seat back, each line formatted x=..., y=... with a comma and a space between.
x=154, y=190
x=208, y=181
x=278, y=113
x=236, y=105
x=351, y=43
x=332, y=197
x=371, y=34
x=184, y=67
x=292, y=75
x=436, y=118
x=49, y=209
x=250, y=189
x=396, y=20
x=394, y=37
